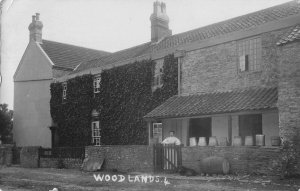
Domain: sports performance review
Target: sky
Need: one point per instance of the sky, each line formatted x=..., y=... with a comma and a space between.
x=108, y=25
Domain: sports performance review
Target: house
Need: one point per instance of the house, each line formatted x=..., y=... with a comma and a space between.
x=238, y=77
x=43, y=61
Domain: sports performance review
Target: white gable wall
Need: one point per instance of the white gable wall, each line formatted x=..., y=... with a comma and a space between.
x=32, y=98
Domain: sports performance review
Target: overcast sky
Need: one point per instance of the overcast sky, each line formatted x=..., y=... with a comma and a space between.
x=109, y=25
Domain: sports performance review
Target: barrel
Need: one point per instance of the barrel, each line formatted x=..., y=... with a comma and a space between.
x=222, y=141
x=214, y=165
x=202, y=141
x=193, y=141
x=248, y=141
x=212, y=141
x=237, y=141
x=260, y=140
x=275, y=141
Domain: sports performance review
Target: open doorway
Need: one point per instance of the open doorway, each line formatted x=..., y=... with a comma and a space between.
x=250, y=125
x=200, y=127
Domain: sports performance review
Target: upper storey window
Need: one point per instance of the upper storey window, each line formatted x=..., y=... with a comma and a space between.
x=64, y=95
x=249, y=52
x=97, y=84
x=158, y=75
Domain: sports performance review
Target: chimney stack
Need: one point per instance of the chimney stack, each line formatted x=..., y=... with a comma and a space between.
x=35, y=28
x=159, y=22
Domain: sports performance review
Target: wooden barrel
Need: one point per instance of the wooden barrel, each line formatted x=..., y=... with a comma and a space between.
x=214, y=165
x=212, y=141
x=260, y=140
x=202, y=141
x=249, y=141
x=275, y=141
x=193, y=141
x=222, y=141
x=237, y=141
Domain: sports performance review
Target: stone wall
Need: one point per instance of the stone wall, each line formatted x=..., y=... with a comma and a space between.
x=64, y=163
x=216, y=68
x=243, y=160
x=124, y=158
x=6, y=154
x=29, y=157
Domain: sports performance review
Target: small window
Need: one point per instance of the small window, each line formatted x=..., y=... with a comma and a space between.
x=157, y=131
x=249, y=52
x=158, y=75
x=97, y=84
x=96, y=133
x=64, y=95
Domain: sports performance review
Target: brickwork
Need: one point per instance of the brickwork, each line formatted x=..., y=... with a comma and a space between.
x=243, y=160
x=216, y=68
x=54, y=163
x=125, y=158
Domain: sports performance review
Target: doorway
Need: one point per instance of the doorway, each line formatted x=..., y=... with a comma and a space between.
x=200, y=127
x=250, y=125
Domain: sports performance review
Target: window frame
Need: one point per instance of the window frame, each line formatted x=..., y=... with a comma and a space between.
x=249, y=51
x=158, y=74
x=157, y=131
x=64, y=90
x=96, y=133
x=96, y=84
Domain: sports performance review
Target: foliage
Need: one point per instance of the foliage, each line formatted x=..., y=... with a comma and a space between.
x=125, y=97
x=289, y=157
x=6, y=122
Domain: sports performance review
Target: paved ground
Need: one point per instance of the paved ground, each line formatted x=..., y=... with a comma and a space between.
x=21, y=179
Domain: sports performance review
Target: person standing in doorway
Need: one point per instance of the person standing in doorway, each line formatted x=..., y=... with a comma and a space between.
x=171, y=139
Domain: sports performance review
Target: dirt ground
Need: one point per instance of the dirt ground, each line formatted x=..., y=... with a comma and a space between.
x=23, y=179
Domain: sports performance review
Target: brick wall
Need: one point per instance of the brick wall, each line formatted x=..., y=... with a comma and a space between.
x=243, y=160
x=216, y=68
x=124, y=158
x=54, y=163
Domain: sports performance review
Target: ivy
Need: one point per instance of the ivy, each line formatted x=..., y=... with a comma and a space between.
x=125, y=97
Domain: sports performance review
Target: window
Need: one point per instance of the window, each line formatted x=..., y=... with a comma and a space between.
x=64, y=96
x=249, y=52
x=157, y=131
x=96, y=133
x=97, y=84
x=158, y=75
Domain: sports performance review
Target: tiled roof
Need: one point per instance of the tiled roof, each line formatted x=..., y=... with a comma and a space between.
x=69, y=56
x=117, y=56
x=215, y=103
x=290, y=36
x=232, y=25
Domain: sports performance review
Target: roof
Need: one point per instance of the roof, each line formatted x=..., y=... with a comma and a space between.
x=290, y=36
x=117, y=56
x=69, y=56
x=222, y=28
x=216, y=103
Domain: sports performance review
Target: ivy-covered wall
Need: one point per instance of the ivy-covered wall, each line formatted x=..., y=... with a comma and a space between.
x=125, y=97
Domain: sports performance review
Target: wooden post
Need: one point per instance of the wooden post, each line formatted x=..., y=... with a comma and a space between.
x=230, y=129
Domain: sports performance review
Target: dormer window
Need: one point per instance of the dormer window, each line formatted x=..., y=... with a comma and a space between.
x=64, y=95
x=158, y=75
x=249, y=52
x=97, y=84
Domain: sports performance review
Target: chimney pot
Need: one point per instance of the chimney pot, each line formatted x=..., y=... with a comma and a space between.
x=33, y=18
x=37, y=16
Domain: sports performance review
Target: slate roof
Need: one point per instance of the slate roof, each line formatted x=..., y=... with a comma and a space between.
x=69, y=56
x=216, y=103
x=222, y=28
x=291, y=36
